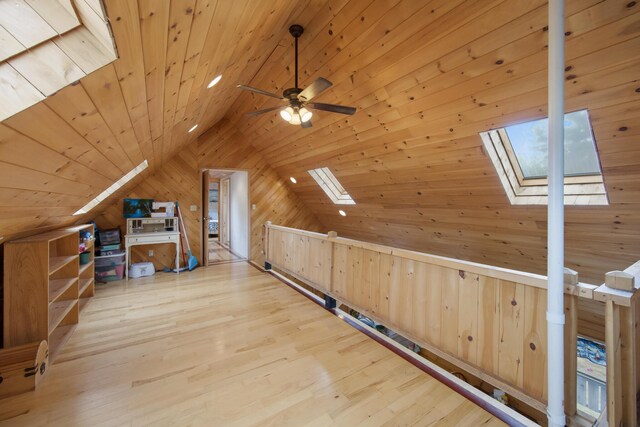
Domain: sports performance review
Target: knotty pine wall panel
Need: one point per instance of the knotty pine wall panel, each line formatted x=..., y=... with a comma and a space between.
x=179, y=179
x=222, y=147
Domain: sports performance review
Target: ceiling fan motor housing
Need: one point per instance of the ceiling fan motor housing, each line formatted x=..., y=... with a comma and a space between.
x=292, y=94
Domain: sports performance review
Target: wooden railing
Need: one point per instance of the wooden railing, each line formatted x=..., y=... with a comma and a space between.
x=487, y=320
x=622, y=315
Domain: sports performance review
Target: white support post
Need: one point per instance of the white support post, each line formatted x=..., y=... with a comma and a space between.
x=555, y=218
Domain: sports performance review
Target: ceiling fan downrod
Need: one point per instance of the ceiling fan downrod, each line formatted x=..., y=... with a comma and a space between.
x=296, y=31
x=297, y=112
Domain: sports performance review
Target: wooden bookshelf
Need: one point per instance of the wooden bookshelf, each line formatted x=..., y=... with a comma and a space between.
x=87, y=271
x=45, y=286
x=58, y=337
x=85, y=286
x=84, y=267
x=58, y=287
x=59, y=310
x=57, y=262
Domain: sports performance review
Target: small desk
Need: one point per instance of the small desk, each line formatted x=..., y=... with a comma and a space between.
x=154, y=238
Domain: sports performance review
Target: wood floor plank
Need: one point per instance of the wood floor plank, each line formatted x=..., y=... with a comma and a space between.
x=203, y=348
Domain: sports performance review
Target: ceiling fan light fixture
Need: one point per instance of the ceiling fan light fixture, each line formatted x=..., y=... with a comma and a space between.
x=305, y=115
x=295, y=119
x=297, y=113
x=287, y=114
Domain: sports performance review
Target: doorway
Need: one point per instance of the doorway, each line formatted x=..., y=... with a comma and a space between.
x=226, y=221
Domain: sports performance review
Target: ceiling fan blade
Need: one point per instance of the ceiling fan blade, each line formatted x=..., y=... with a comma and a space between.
x=260, y=91
x=332, y=108
x=306, y=124
x=314, y=89
x=266, y=110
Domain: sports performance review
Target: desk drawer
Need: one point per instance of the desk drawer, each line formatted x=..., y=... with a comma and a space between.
x=152, y=239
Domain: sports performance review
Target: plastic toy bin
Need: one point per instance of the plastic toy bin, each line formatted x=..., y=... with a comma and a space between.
x=109, y=237
x=110, y=267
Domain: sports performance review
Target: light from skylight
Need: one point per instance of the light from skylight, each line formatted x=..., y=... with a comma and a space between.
x=112, y=189
x=331, y=186
x=529, y=142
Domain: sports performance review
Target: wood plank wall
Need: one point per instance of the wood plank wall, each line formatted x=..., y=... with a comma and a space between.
x=179, y=179
x=223, y=147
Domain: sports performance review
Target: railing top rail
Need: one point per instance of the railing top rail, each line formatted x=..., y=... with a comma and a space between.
x=297, y=231
x=531, y=279
x=623, y=297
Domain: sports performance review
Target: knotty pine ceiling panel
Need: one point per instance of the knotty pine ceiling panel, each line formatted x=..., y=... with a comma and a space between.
x=60, y=153
x=426, y=78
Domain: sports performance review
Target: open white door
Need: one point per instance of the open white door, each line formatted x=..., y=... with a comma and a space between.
x=224, y=212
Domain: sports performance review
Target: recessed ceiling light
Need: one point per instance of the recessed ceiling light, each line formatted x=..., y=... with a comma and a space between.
x=341, y=212
x=295, y=181
x=214, y=82
x=193, y=128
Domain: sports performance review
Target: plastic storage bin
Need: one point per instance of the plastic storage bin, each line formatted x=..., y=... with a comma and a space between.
x=109, y=250
x=110, y=267
x=85, y=258
x=109, y=237
x=110, y=260
x=109, y=274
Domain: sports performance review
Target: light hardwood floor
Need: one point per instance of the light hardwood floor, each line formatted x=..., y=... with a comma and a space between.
x=218, y=254
x=228, y=345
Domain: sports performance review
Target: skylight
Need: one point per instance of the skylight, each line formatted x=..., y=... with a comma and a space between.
x=330, y=184
x=112, y=189
x=519, y=154
x=529, y=143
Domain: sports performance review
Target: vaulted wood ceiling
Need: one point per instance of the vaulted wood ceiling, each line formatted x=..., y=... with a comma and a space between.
x=426, y=77
x=60, y=153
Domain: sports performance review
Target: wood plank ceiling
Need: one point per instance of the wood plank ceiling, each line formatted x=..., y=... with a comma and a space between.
x=60, y=153
x=426, y=77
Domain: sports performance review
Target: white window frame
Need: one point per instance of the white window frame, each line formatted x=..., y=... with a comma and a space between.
x=331, y=186
x=578, y=190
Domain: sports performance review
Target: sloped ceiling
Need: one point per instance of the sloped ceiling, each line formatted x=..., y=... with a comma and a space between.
x=60, y=153
x=426, y=76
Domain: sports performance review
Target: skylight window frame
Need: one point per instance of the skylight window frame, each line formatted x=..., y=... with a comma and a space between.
x=515, y=164
x=578, y=189
x=112, y=189
x=331, y=186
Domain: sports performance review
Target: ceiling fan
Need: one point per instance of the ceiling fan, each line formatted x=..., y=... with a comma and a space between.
x=297, y=112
